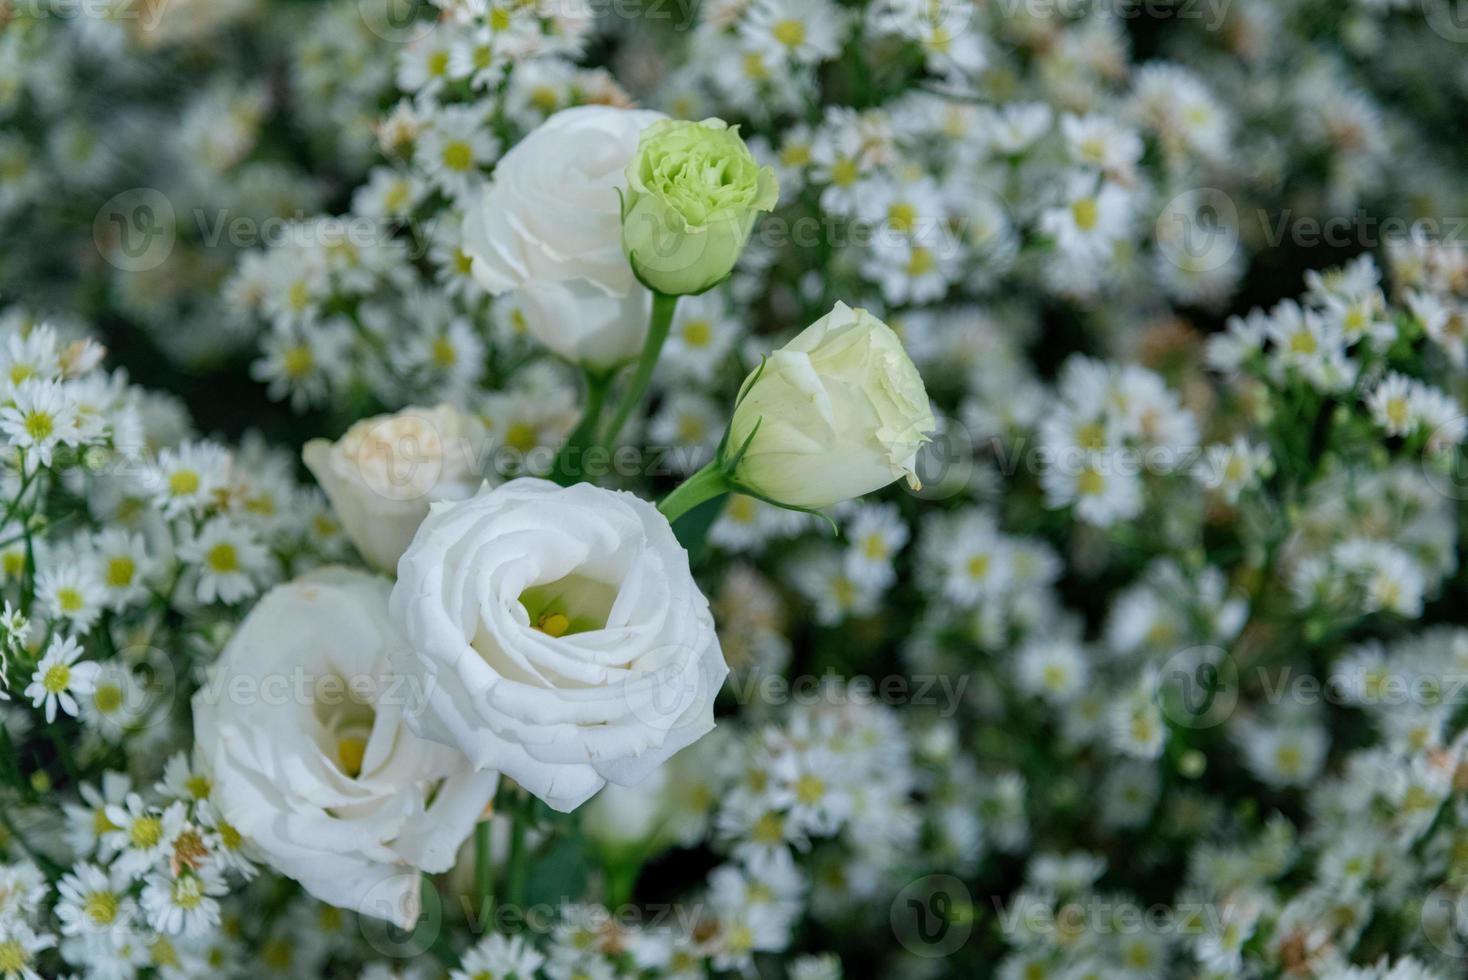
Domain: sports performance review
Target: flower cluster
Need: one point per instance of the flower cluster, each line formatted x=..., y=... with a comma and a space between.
x=623, y=491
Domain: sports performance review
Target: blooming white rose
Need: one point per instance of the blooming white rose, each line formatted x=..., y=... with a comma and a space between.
x=559, y=636
x=302, y=724
x=384, y=472
x=838, y=412
x=549, y=229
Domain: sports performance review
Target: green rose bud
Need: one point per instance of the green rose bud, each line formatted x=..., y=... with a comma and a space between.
x=693, y=191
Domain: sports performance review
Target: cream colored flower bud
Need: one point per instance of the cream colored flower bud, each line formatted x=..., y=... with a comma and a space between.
x=838, y=412
x=382, y=475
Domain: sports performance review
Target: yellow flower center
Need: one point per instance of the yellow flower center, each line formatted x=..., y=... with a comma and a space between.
x=120, y=571
x=902, y=216
x=299, y=295
x=1090, y=483
x=769, y=828
x=223, y=558
x=795, y=155
x=921, y=262
x=101, y=908
x=697, y=333
x=39, y=425
x=754, y=67
x=107, y=698
x=458, y=155
x=1303, y=342
x=789, y=32
x=844, y=172
x=444, y=353
x=1085, y=214
x=146, y=832
x=56, y=678
x=499, y=19
x=297, y=361
x=69, y=599
x=553, y=624
x=350, y=752
x=522, y=436
x=809, y=789
x=183, y=482
x=438, y=63
x=13, y=957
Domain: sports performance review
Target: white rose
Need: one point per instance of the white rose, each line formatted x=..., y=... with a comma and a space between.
x=548, y=228
x=838, y=412
x=384, y=472
x=302, y=724
x=559, y=636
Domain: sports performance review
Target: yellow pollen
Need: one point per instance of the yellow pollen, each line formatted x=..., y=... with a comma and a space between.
x=697, y=333
x=921, y=262
x=522, y=437
x=444, y=354
x=120, y=571
x=553, y=624
x=458, y=155
x=902, y=216
x=789, y=32
x=183, y=482
x=107, y=698
x=844, y=172
x=146, y=832
x=499, y=19
x=223, y=558
x=56, y=678
x=13, y=957
x=1303, y=342
x=69, y=599
x=795, y=155
x=809, y=789
x=438, y=63
x=351, y=751
x=978, y=566
x=1090, y=483
x=39, y=425
x=1085, y=214
x=299, y=295
x=297, y=361
x=101, y=908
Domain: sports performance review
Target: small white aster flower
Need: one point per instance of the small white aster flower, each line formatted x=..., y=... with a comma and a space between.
x=58, y=678
x=229, y=559
x=184, y=904
x=40, y=417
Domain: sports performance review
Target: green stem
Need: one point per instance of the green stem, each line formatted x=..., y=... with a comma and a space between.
x=519, y=859
x=658, y=326
x=705, y=485
x=483, y=873
x=571, y=456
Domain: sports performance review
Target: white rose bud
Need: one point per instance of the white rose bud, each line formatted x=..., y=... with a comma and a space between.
x=560, y=636
x=302, y=724
x=548, y=230
x=384, y=472
x=838, y=412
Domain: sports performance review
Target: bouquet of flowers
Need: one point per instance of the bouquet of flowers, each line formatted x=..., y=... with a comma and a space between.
x=816, y=488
